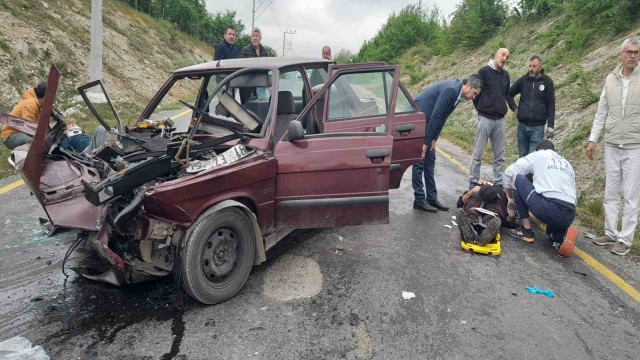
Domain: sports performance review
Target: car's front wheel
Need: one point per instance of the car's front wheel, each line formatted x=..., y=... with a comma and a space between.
x=218, y=255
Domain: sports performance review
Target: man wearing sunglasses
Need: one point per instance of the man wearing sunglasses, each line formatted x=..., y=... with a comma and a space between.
x=619, y=116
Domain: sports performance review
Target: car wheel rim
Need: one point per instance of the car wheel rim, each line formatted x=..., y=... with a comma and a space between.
x=220, y=255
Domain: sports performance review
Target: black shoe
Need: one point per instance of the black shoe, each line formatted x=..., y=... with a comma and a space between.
x=438, y=205
x=463, y=226
x=473, y=184
x=490, y=232
x=424, y=206
x=522, y=234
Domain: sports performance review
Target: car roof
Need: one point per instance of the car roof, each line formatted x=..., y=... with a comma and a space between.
x=240, y=63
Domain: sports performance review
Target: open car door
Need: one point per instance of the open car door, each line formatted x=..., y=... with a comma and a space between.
x=56, y=183
x=335, y=178
x=406, y=123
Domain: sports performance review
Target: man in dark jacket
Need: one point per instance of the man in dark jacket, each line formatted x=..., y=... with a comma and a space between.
x=227, y=48
x=255, y=49
x=437, y=103
x=492, y=107
x=537, y=106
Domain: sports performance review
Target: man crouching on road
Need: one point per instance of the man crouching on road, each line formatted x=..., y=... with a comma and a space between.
x=437, y=103
x=551, y=198
x=28, y=108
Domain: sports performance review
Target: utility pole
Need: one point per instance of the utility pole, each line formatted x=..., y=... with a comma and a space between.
x=286, y=45
x=253, y=17
x=95, y=56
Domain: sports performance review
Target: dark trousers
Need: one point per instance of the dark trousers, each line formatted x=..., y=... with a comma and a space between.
x=528, y=138
x=426, y=166
x=557, y=214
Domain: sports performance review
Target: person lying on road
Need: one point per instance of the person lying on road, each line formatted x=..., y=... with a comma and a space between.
x=475, y=225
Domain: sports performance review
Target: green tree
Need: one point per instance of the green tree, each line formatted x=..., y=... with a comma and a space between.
x=475, y=21
x=344, y=56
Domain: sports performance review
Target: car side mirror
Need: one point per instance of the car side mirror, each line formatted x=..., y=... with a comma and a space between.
x=295, y=131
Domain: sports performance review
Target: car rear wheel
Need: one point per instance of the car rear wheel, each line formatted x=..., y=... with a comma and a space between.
x=218, y=255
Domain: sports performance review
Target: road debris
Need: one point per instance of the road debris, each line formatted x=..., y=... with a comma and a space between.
x=454, y=223
x=463, y=322
x=536, y=290
x=453, y=217
x=580, y=272
x=447, y=226
x=408, y=295
x=20, y=348
x=354, y=319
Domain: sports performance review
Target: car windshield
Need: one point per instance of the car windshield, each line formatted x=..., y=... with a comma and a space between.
x=241, y=105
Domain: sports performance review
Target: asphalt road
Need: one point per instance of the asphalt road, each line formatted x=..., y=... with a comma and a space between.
x=331, y=294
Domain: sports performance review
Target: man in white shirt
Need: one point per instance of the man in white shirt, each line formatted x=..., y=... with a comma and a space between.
x=619, y=115
x=551, y=198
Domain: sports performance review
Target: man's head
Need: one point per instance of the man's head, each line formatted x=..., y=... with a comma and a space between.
x=486, y=193
x=256, y=37
x=630, y=53
x=545, y=145
x=535, y=66
x=500, y=58
x=230, y=35
x=326, y=52
x=471, y=86
x=40, y=90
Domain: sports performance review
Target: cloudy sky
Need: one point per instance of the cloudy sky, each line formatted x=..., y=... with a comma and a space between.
x=341, y=24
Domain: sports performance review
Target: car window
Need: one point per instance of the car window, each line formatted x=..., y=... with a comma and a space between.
x=293, y=82
x=185, y=89
x=316, y=76
x=403, y=104
x=359, y=95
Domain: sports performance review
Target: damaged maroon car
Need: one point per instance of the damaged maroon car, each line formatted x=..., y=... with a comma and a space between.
x=267, y=146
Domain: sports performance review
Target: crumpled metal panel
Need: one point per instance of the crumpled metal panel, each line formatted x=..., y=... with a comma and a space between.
x=33, y=164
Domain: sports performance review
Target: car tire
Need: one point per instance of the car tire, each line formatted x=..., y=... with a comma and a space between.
x=218, y=255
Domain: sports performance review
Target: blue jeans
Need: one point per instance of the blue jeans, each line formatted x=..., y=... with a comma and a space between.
x=557, y=214
x=428, y=166
x=528, y=138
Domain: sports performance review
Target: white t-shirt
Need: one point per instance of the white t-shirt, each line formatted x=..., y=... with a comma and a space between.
x=553, y=175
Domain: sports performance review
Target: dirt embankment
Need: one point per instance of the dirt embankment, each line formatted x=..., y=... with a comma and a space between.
x=138, y=52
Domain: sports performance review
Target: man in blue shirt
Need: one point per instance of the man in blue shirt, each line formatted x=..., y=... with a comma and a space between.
x=437, y=103
x=227, y=48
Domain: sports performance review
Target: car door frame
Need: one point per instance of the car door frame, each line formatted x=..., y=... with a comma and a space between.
x=407, y=127
x=315, y=184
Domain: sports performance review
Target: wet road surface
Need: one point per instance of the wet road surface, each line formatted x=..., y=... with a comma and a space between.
x=331, y=294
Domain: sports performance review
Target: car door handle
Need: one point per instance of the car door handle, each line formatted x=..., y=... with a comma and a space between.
x=378, y=153
x=405, y=128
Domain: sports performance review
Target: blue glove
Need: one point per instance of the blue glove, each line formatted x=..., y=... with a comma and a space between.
x=535, y=290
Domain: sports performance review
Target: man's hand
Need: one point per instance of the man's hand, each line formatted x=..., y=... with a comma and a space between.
x=511, y=208
x=591, y=150
x=425, y=148
x=549, y=133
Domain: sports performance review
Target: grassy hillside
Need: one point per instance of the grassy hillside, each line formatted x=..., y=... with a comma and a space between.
x=139, y=53
x=578, y=80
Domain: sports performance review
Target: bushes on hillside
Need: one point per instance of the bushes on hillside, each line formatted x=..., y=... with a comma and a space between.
x=411, y=26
